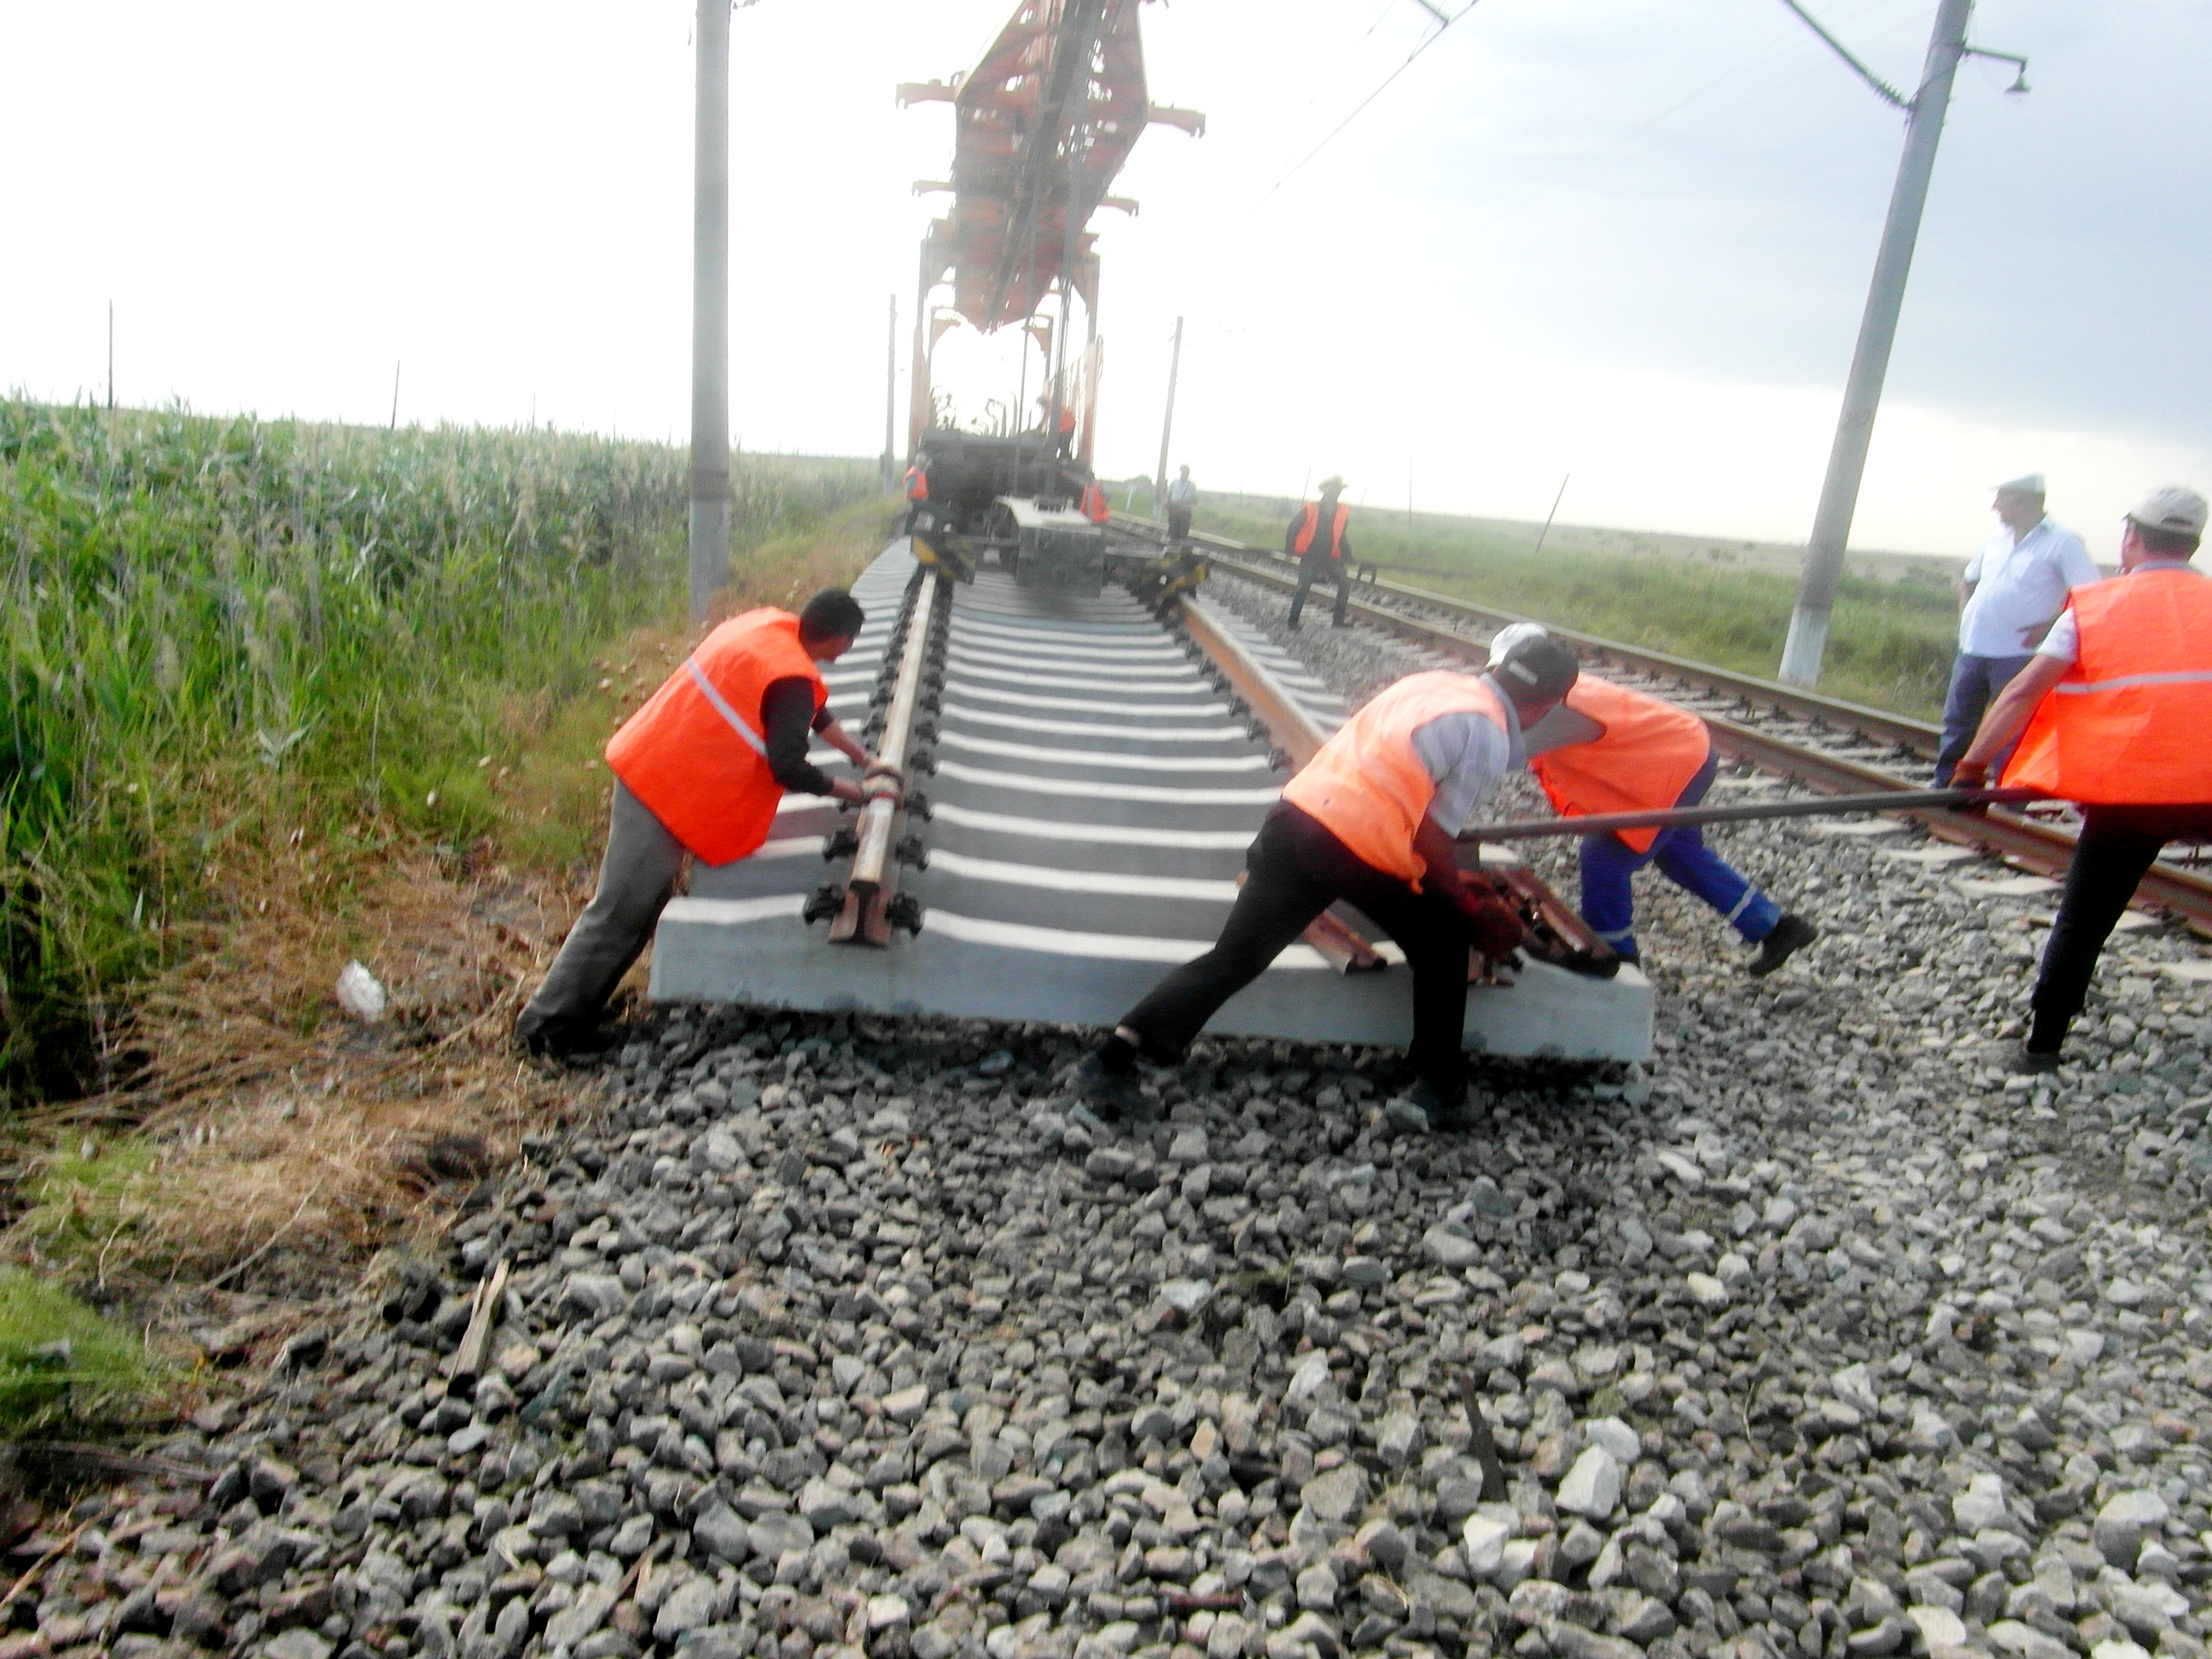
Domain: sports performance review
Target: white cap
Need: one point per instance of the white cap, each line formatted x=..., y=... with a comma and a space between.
x=2029, y=484
x=2174, y=508
x=1511, y=635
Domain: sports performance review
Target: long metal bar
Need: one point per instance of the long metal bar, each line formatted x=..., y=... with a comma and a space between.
x=1677, y=817
x=1847, y=455
x=875, y=871
x=891, y=396
x=710, y=313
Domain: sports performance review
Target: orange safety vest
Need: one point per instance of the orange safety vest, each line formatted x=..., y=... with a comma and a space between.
x=1367, y=785
x=1094, y=504
x=696, y=754
x=2130, y=724
x=1646, y=756
x=917, y=484
x=1311, y=520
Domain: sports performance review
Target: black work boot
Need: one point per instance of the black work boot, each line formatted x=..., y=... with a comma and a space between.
x=1113, y=1096
x=1792, y=934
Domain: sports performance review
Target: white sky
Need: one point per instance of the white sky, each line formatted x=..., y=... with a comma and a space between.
x=1626, y=240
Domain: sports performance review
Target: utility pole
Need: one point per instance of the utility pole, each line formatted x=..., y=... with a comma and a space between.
x=710, y=312
x=1839, y=493
x=1167, y=426
x=395, y=394
x=111, y=356
x=890, y=393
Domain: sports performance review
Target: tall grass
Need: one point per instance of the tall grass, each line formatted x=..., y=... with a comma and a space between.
x=1889, y=644
x=225, y=633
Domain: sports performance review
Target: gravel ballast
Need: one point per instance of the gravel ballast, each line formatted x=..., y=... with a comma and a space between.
x=1817, y=1337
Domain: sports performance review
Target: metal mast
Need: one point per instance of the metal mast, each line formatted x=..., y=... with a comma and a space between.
x=1840, y=494
x=710, y=313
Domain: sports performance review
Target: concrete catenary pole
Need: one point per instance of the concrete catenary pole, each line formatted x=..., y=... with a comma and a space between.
x=1840, y=494
x=891, y=394
x=710, y=313
x=1167, y=426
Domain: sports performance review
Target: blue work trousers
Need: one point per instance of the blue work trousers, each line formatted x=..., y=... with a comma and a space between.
x=1975, y=682
x=1685, y=860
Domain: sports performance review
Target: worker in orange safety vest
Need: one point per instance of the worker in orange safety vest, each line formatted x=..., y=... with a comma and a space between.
x=700, y=770
x=1369, y=820
x=917, y=494
x=1316, y=540
x=1095, y=506
x=2113, y=711
x=1608, y=748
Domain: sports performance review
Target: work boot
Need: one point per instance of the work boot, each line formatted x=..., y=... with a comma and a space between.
x=1110, y=1094
x=2025, y=1061
x=1792, y=934
x=568, y=1040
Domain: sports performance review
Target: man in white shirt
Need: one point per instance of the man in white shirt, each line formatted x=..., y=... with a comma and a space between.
x=1182, y=497
x=2012, y=590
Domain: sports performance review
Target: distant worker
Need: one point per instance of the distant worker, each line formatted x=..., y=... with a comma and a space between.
x=1608, y=748
x=1315, y=538
x=1062, y=423
x=1181, y=497
x=2010, y=593
x=700, y=770
x=1371, y=820
x=917, y=494
x=2113, y=712
x=1096, y=507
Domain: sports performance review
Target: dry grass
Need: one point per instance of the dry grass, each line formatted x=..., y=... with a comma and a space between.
x=268, y=1143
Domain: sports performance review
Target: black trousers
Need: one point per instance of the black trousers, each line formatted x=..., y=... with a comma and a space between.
x=1298, y=869
x=1178, y=524
x=2117, y=844
x=1314, y=568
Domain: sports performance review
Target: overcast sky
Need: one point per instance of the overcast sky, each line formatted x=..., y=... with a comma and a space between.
x=1623, y=240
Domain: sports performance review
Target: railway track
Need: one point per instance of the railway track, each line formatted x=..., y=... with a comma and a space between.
x=1090, y=777
x=1827, y=744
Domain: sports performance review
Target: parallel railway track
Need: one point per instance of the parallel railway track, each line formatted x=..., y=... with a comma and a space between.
x=1826, y=745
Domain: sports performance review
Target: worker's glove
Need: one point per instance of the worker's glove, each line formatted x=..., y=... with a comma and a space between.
x=1969, y=775
x=1494, y=928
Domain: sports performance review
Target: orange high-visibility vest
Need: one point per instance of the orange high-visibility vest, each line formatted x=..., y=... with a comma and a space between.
x=1312, y=521
x=1367, y=785
x=1094, y=504
x=1649, y=751
x=917, y=484
x=696, y=754
x=2130, y=724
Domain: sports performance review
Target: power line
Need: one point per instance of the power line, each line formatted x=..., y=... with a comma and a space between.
x=1360, y=108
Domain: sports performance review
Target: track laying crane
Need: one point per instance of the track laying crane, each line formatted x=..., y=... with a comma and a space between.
x=1044, y=123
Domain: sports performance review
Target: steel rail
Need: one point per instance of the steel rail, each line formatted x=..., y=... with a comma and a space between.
x=1805, y=806
x=2044, y=849
x=875, y=868
x=1273, y=570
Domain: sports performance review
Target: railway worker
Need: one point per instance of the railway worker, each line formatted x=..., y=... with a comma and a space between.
x=1369, y=820
x=1609, y=748
x=700, y=770
x=1096, y=507
x=2113, y=713
x=1315, y=538
x=2011, y=591
x=1181, y=497
x=917, y=493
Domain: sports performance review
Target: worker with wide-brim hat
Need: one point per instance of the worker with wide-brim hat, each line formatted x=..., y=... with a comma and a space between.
x=2113, y=712
x=1315, y=538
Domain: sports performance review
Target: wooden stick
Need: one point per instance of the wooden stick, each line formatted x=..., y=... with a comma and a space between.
x=468, y=1361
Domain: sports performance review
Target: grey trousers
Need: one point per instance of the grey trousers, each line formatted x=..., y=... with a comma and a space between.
x=636, y=879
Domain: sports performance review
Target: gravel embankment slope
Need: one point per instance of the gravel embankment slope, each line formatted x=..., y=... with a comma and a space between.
x=1814, y=1338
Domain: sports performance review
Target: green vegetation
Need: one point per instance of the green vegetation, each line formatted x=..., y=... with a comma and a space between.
x=61, y=1362
x=1890, y=643
x=230, y=635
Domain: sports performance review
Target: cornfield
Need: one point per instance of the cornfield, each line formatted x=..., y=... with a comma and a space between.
x=229, y=632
